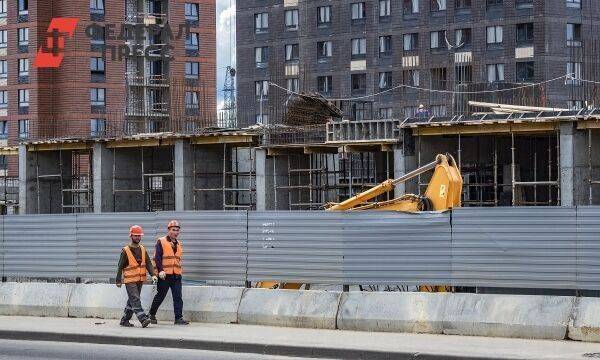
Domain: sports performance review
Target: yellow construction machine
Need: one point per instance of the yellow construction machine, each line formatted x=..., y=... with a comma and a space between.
x=443, y=193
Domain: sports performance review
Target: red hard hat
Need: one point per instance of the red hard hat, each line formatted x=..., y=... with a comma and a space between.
x=136, y=230
x=173, y=223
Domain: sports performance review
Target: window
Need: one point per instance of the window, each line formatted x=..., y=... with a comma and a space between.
x=385, y=80
x=97, y=65
x=574, y=4
x=97, y=127
x=261, y=22
x=191, y=100
x=386, y=113
x=3, y=99
x=411, y=77
x=573, y=34
x=494, y=35
x=524, y=4
x=359, y=48
x=3, y=38
x=23, y=37
x=324, y=50
x=438, y=5
x=358, y=11
x=292, y=52
x=385, y=8
x=410, y=111
x=97, y=97
x=525, y=71
x=23, y=98
x=574, y=104
x=463, y=37
x=3, y=131
x=192, y=13
x=192, y=70
x=463, y=74
x=525, y=34
x=261, y=56
x=439, y=78
x=438, y=110
x=23, y=7
x=291, y=20
x=293, y=85
x=98, y=37
x=411, y=42
x=23, y=67
x=462, y=4
x=385, y=45
x=494, y=2
x=191, y=42
x=358, y=83
x=3, y=8
x=3, y=69
x=495, y=73
x=262, y=118
x=324, y=85
x=324, y=18
x=411, y=7
x=438, y=39
x=574, y=70
x=96, y=6
x=261, y=88
x=23, y=129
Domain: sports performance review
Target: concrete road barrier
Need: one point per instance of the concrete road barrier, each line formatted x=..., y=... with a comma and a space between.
x=585, y=322
x=392, y=312
x=303, y=309
x=512, y=316
x=35, y=299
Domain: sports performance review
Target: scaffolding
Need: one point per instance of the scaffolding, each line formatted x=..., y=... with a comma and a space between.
x=9, y=197
x=237, y=173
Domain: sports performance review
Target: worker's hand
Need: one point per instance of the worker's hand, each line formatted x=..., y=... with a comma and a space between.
x=154, y=279
x=162, y=275
x=119, y=284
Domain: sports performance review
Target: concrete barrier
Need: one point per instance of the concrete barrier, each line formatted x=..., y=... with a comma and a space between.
x=585, y=322
x=35, y=299
x=304, y=309
x=392, y=312
x=512, y=316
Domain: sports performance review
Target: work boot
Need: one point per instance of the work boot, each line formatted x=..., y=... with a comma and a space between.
x=181, y=322
x=125, y=323
x=146, y=322
x=153, y=319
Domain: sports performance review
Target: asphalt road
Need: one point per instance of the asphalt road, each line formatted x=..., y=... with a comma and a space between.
x=13, y=349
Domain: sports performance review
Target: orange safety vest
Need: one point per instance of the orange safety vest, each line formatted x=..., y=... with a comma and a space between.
x=171, y=262
x=134, y=272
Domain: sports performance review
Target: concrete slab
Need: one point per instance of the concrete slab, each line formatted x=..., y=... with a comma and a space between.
x=585, y=322
x=35, y=299
x=512, y=316
x=291, y=308
x=104, y=301
x=392, y=312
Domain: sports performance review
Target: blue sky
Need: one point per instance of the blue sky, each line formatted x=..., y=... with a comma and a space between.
x=225, y=41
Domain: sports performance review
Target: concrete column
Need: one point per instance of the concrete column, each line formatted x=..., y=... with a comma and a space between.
x=566, y=164
x=25, y=177
x=102, y=168
x=264, y=181
x=184, y=187
x=399, y=170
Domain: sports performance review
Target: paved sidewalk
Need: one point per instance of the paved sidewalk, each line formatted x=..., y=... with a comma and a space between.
x=292, y=341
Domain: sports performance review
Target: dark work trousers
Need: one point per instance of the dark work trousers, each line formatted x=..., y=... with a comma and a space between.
x=174, y=283
x=134, y=304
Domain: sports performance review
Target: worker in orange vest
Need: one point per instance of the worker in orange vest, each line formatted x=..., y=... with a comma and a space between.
x=133, y=265
x=167, y=256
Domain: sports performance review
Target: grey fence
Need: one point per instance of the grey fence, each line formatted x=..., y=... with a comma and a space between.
x=540, y=247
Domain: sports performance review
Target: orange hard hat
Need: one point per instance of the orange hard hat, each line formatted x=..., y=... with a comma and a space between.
x=136, y=230
x=173, y=223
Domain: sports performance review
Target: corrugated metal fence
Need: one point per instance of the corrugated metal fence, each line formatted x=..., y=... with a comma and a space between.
x=539, y=247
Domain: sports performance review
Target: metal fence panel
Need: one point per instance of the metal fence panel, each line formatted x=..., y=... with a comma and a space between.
x=299, y=246
x=588, y=248
x=397, y=248
x=40, y=246
x=100, y=238
x=214, y=243
x=532, y=247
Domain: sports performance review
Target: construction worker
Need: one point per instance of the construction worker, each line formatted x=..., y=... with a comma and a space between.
x=167, y=257
x=133, y=264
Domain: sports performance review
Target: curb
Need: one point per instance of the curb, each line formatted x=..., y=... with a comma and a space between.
x=232, y=347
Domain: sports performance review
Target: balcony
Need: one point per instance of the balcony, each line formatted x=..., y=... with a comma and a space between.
x=150, y=80
x=145, y=19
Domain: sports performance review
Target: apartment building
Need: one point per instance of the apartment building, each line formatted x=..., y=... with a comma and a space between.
x=349, y=49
